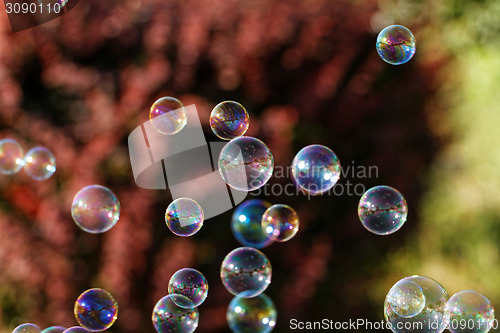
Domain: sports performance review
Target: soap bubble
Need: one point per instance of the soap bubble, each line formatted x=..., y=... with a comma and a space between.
x=246, y=272
x=245, y=163
x=315, y=169
x=190, y=283
x=168, y=317
x=184, y=217
x=95, y=209
x=382, y=210
x=406, y=298
x=168, y=116
x=281, y=222
x=396, y=44
x=54, y=329
x=432, y=319
x=470, y=311
x=76, y=329
x=251, y=315
x=11, y=157
x=229, y=120
x=39, y=163
x=27, y=328
x=96, y=310
x=246, y=224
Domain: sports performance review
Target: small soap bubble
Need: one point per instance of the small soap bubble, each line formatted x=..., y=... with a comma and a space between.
x=95, y=209
x=27, y=328
x=382, y=210
x=76, y=329
x=168, y=317
x=190, y=283
x=39, y=163
x=406, y=299
x=184, y=217
x=315, y=169
x=96, y=310
x=246, y=272
x=246, y=224
x=11, y=157
x=280, y=222
x=396, y=44
x=470, y=311
x=54, y=329
x=229, y=120
x=433, y=318
x=251, y=315
x=168, y=116
x=245, y=163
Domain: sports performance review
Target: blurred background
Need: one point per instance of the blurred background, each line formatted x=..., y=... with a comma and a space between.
x=307, y=71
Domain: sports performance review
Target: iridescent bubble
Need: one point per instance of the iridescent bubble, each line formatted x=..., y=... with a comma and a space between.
x=54, y=329
x=96, y=310
x=168, y=317
x=251, y=315
x=432, y=319
x=382, y=210
x=246, y=272
x=168, y=116
x=184, y=217
x=76, y=329
x=190, y=283
x=39, y=163
x=95, y=209
x=245, y=163
x=27, y=328
x=406, y=298
x=396, y=44
x=315, y=169
x=470, y=311
x=280, y=222
x=229, y=120
x=246, y=224
x=11, y=157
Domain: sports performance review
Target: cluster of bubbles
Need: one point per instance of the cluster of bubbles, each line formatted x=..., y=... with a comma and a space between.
x=39, y=163
x=422, y=300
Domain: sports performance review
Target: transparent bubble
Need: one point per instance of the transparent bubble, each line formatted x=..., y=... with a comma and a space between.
x=190, y=283
x=168, y=317
x=396, y=44
x=432, y=319
x=245, y=163
x=251, y=315
x=168, y=116
x=406, y=298
x=54, y=329
x=95, y=209
x=96, y=310
x=246, y=272
x=280, y=222
x=76, y=329
x=470, y=311
x=229, y=120
x=184, y=217
x=246, y=224
x=39, y=163
x=27, y=328
x=382, y=210
x=11, y=157
x=315, y=169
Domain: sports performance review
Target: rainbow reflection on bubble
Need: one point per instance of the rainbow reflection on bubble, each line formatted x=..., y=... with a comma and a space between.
x=39, y=163
x=281, y=222
x=246, y=272
x=169, y=317
x=472, y=309
x=246, y=224
x=11, y=157
x=190, y=283
x=251, y=315
x=96, y=310
x=54, y=329
x=77, y=329
x=396, y=44
x=168, y=116
x=184, y=217
x=27, y=328
x=229, y=120
x=382, y=210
